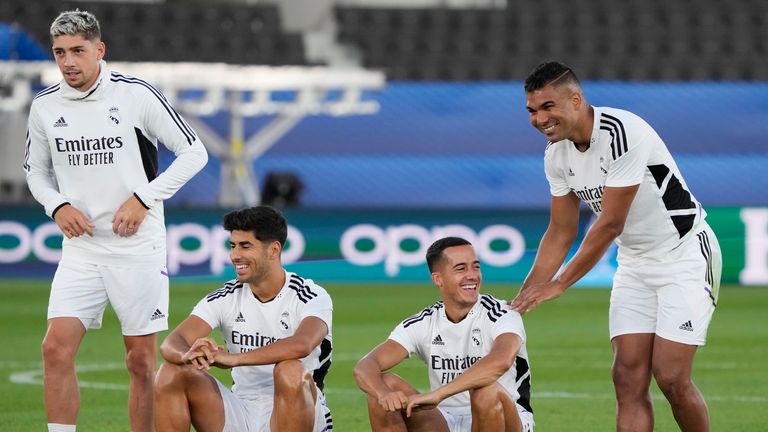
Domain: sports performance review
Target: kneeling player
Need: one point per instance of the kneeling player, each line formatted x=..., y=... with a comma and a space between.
x=277, y=329
x=474, y=348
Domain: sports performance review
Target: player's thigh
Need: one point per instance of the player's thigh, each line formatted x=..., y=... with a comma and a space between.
x=139, y=296
x=634, y=303
x=78, y=291
x=241, y=415
x=687, y=299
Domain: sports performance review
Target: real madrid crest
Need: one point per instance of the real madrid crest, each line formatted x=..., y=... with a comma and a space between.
x=114, y=116
x=285, y=320
x=476, y=340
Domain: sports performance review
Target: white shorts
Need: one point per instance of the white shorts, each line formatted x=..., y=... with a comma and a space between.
x=139, y=295
x=254, y=415
x=460, y=420
x=674, y=299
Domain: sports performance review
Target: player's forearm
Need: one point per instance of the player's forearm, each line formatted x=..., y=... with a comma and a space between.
x=290, y=348
x=43, y=188
x=485, y=372
x=368, y=377
x=173, y=348
x=596, y=242
x=550, y=256
x=181, y=170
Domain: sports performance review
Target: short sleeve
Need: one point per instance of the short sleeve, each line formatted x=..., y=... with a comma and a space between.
x=558, y=186
x=320, y=307
x=405, y=337
x=629, y=168
x=209, y=311
x=510, y=322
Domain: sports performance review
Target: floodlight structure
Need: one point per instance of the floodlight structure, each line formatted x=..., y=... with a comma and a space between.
x=241, y=91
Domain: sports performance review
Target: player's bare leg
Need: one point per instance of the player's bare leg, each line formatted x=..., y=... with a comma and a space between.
x=295, y=396
x=493, y=409
x=59, y=347
x=140, y=360
x=381, y=420
x=672, y=365
x=185, y=396
x=632, y=354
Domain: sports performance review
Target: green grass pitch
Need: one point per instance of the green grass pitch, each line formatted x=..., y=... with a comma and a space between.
x=568, y=345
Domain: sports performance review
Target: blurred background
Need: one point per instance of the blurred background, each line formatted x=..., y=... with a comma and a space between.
x=378, y=125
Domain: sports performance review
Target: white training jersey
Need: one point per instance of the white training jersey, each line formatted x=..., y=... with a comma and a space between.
x=449, y=349
x=625, y=151
x=247, y=324
x=95, y=149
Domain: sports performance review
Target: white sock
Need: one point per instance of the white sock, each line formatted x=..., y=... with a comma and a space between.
x=58, y=427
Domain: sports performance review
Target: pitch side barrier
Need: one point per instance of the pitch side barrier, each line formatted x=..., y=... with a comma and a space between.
x=378, y=245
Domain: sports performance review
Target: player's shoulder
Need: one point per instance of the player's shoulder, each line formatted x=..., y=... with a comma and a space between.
x=46, y=95
x=424, y=316
x=136, y=86
x=304, y=289
x=618, y=119
x=492, y=307
x=227, y=292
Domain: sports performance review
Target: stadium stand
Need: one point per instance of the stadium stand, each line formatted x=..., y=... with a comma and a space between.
x=638, y=40
x=208, y=32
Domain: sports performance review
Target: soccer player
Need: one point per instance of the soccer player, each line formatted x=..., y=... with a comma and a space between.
x=91, y=161
x=665, y=289
x=277, y=329
x=474, y=349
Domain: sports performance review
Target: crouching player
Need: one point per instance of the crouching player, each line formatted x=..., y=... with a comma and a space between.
x=277, y=329
x=474, y=348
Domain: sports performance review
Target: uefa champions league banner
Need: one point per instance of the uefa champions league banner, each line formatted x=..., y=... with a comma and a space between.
x=377, y=245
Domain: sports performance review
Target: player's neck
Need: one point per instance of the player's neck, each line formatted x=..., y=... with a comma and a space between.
x=457, y=313
x=583, y=138
x=268, y=288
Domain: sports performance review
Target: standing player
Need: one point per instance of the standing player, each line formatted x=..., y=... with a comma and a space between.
x=277, y=329
x=91, y=161
x=474, y=348
x=665, y=289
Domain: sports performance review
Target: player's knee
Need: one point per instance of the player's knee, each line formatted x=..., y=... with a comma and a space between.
x=56, y=353
x=140, y=363
x=485, y=400
x=672, y=384
x=291, y=376
x=395, y=383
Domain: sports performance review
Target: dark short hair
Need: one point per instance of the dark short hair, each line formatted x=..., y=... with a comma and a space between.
x=266, y=223
x=435, y=251
x=547, y=73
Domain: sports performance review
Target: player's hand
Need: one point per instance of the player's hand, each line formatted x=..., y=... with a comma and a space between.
x=393, y=401
x=73, y=222
x=420, y=402
x=531, y=297
x=201, y=354
x=128, y=217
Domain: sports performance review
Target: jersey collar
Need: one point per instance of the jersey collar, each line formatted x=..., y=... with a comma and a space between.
x=93, y=93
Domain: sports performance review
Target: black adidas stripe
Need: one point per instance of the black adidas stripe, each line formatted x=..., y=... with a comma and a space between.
x=706, y=251
x=493, y=306
x=52, y=89
x=228, y=288
x=618, y=135
x=423, y=314
x=183, y=126
x=523, y=378
x=26, y=152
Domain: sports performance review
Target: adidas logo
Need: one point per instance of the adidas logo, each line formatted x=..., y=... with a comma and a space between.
x=60, y=122
x=157, y=315
x=438, y=340
x=240, y=318
x=570, y=172
x=686, y=326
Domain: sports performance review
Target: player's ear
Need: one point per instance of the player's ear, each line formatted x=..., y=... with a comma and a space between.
x=275, y=248
x=437, y=279
x=101, y=49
